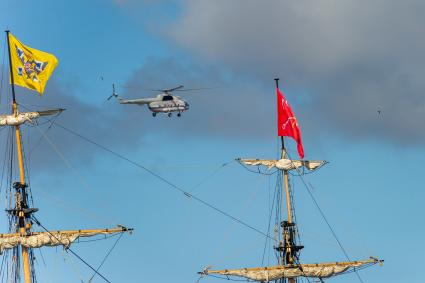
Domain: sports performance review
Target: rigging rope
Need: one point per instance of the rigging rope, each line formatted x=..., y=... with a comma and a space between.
x=326, y=220
x=270, y=220
x=67, y=163
x=40, y=139
x=3, y=172
x=63, y=204
x=69, y=249
x=198, y=199
x=74, y=267
x=225, y=236
x=106, y=256
x=209, y=176
x=172, y=185
x=258, y=169
x=55, y=148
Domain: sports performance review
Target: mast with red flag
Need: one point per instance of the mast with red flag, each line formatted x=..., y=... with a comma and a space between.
x=289, y=267
x=287, y=126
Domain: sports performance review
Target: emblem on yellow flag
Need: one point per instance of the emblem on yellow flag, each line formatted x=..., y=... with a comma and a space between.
x=31, y=67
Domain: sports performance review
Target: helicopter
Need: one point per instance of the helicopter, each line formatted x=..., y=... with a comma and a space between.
x=162, y=103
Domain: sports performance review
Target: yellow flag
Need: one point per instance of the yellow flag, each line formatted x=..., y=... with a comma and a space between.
x=31, y=67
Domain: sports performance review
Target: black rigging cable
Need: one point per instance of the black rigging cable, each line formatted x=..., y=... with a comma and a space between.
x=187, y=194
x=106, y=256
x=270, y=220
x=209, y=176
x=326, y=220
x=197, y=198
x=69, y=249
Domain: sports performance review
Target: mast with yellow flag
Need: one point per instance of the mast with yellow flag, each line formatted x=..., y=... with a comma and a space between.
x=31, y=68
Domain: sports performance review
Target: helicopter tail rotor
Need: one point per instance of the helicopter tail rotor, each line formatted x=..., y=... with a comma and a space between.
x=114, y=94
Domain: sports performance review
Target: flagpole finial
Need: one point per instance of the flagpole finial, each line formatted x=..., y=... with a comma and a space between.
x=277, y=82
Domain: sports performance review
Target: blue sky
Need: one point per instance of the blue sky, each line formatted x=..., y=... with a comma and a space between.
x=338, y=63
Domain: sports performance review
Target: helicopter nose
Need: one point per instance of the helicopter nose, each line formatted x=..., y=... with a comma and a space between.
x=186, y=105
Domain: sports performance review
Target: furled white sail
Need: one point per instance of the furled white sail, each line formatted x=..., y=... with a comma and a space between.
x=51, y=238
x=21, y=118
x=284, y=164
x=265, y=274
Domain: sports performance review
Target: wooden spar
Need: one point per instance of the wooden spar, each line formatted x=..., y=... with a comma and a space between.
x=70, y=232
x=23, y=226
x=325, y=264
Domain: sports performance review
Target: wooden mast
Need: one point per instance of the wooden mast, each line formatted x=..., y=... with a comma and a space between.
x=285, y=174
x=21, y=195
x=286, y=245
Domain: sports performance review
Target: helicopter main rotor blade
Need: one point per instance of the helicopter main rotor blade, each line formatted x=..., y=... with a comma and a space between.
x=153, y=89
x=191, y=89
x=167, y=90
x=173, y=89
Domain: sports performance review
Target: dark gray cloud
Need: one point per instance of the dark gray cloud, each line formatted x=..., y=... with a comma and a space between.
x=348, y=61
x=94, y=122
x=230, y=109
x=353, y=59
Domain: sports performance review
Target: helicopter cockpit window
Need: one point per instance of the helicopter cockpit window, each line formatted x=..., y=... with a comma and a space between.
x=167, y=98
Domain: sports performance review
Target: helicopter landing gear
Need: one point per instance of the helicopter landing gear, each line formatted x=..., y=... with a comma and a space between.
x=179, y=114
x=154, y=114
x=169, y=114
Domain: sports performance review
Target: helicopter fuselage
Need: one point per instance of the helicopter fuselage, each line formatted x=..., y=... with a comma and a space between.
x=168, y=104
x=177, y=105
x=163, y=103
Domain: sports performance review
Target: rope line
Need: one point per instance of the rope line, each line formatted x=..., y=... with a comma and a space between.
x=175, y=187
x=69, y=249
x=106, y=256
x=209, y=176
x=68, y=259
x=270, y=220
x=326, y=220
x=62, y=157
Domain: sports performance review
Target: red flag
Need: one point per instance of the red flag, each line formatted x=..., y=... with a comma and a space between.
x=287, y=124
